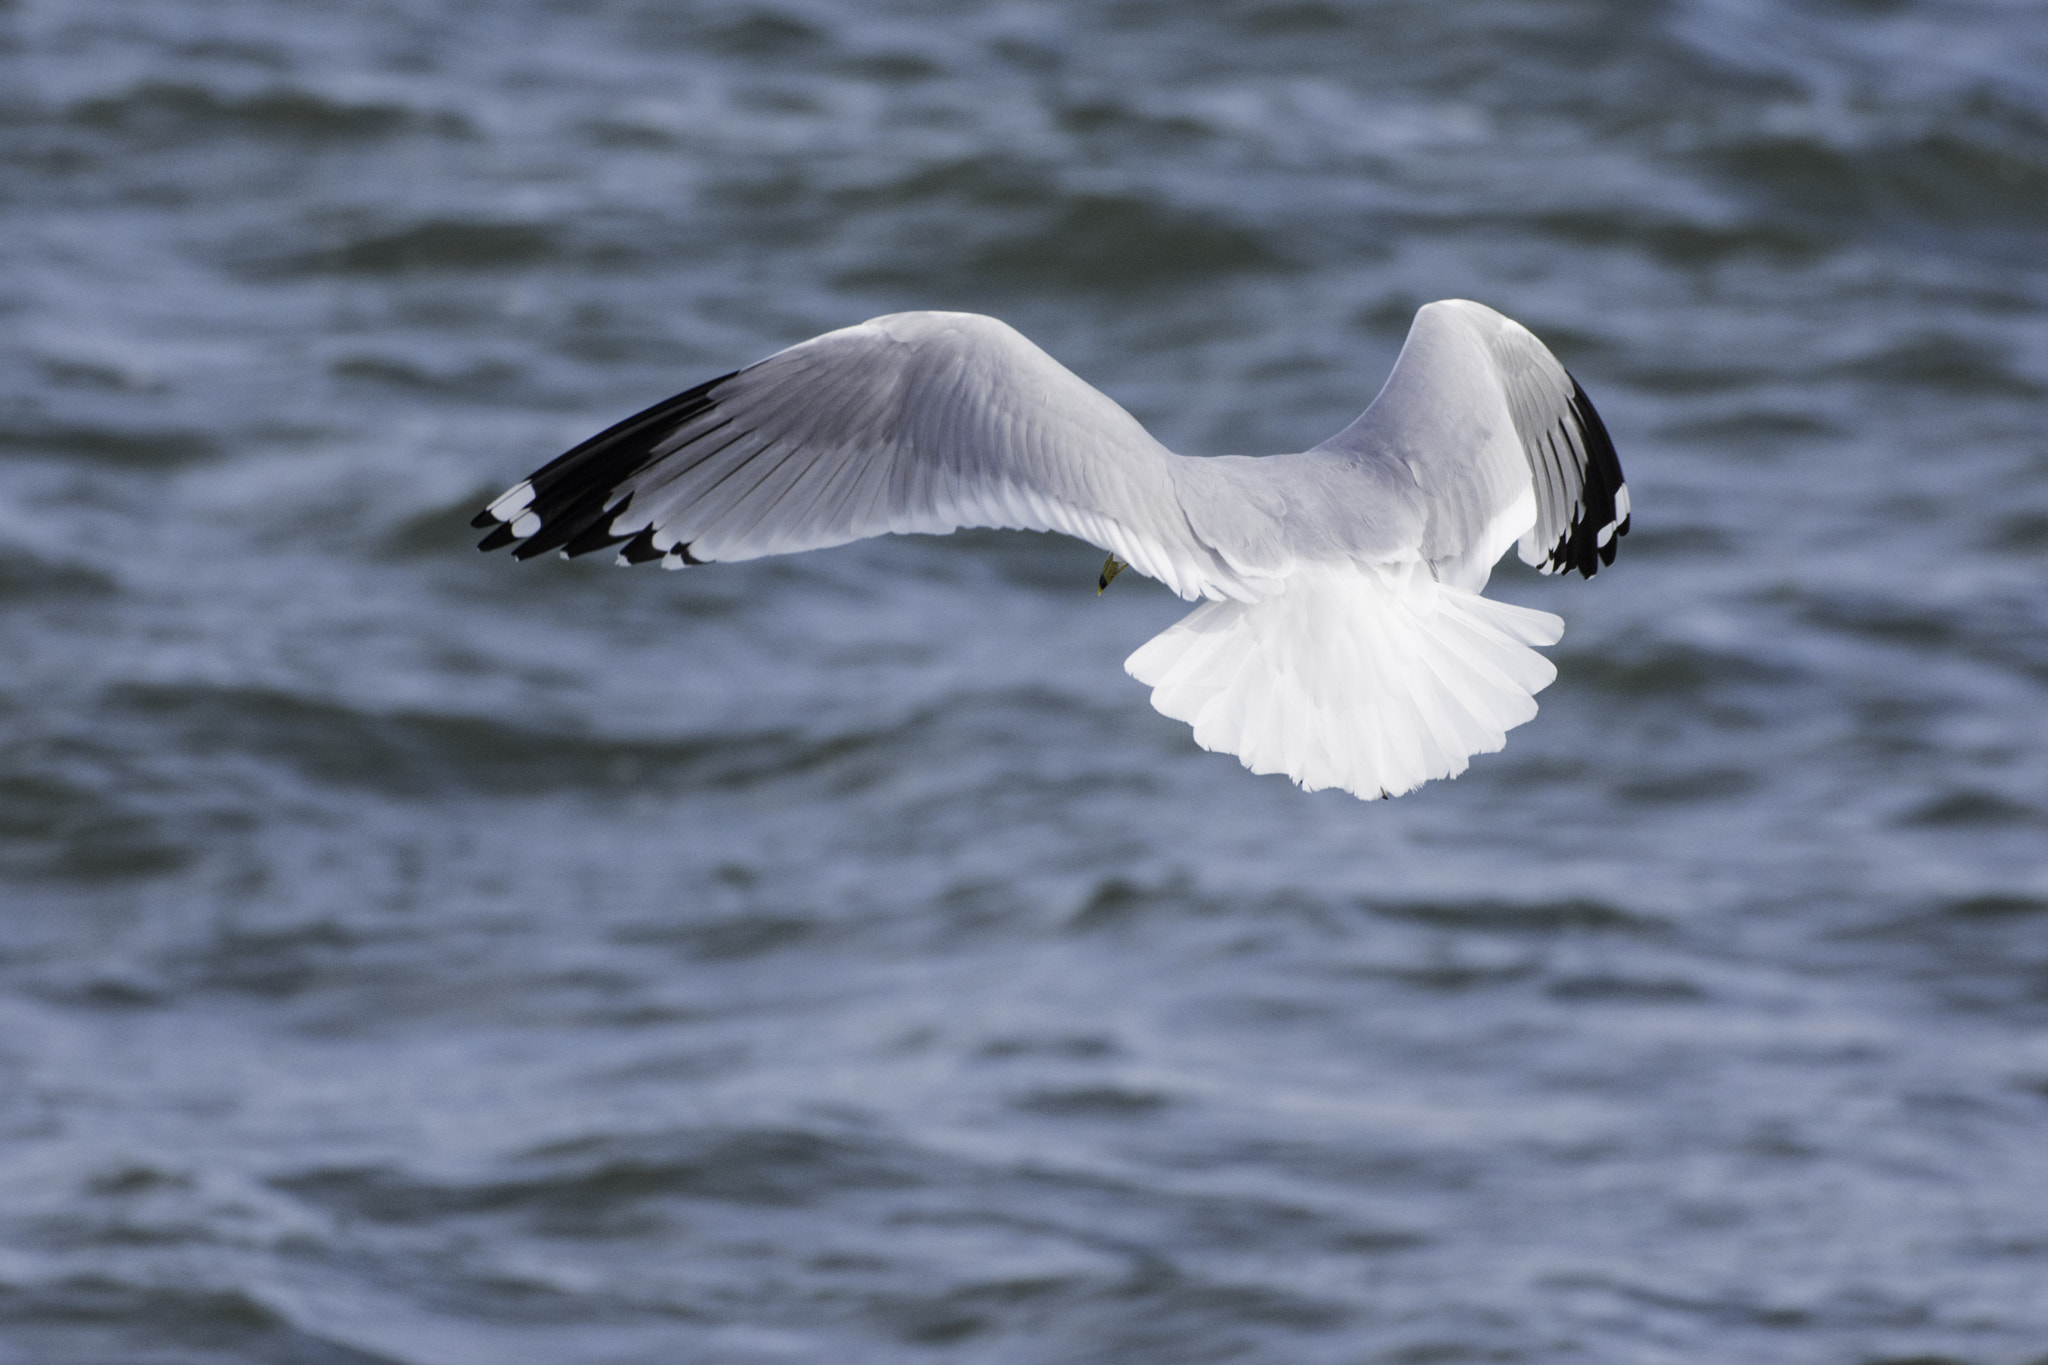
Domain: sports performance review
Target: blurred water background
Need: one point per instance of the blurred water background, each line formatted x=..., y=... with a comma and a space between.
x=411, y=956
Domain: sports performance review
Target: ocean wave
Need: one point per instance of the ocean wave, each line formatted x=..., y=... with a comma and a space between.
x=769, y=32
x=2019, y=533
x=572, y=1185
x=1750, y=427
x=1978, y=163
x=1943, y=361
x=102, y=1317
x=1711, y=783
x=283, y=962
x=728, y=938
x=1096, y=1101
x=1668, y=670
x=441, y=244
x=132, y=446
x=1019, y=230
x=62, y=826
x=1128, y=241
x=2006, y=630
x=1615, y=988
x=159, y=113
x=476, y=379
x=1521, y=917
x=29, y=577
x=415, y=754
x=1976, y=808
x=1686, y=243
x=1996, y=906
x=899, y=1009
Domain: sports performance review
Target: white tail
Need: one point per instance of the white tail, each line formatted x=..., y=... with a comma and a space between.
x=1374, y=678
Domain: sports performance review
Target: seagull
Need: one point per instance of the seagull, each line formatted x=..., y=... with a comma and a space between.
x=1341, y=638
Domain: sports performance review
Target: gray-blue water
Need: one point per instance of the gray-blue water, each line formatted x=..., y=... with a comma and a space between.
x=411, y=956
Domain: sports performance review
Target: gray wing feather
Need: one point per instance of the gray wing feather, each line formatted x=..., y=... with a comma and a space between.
x=1501, y=443
x=915, y=422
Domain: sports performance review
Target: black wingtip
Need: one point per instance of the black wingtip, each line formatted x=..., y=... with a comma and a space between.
x=598, y=534
x=575, y=498
x=640, y=549
x=1600, y=524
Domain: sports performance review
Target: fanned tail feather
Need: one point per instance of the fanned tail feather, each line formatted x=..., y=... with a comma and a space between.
x=1373, y=678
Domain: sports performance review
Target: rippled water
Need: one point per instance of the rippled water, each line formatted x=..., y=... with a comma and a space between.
x=410, y=956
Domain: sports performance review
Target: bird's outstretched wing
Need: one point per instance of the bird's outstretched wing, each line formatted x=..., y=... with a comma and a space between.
x=920, y=422
x=1502, y=443
x=1381, y=673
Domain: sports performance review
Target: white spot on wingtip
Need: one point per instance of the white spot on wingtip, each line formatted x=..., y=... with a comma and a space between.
x=512, y=501
x=526, y=525
x=671, y=561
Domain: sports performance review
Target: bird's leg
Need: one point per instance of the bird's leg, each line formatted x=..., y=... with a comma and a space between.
x=1111, y=567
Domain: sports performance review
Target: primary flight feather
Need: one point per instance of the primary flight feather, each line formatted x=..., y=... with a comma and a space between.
x=1343, y=642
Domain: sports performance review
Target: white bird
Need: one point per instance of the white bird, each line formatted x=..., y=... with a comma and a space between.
x=1343, y=641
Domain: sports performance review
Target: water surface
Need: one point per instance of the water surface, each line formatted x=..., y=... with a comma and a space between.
x=410, y=956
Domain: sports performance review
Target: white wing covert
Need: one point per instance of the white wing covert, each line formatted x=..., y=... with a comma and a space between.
x=915, y=422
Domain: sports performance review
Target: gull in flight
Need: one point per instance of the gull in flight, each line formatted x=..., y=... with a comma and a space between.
x=1342, y=639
